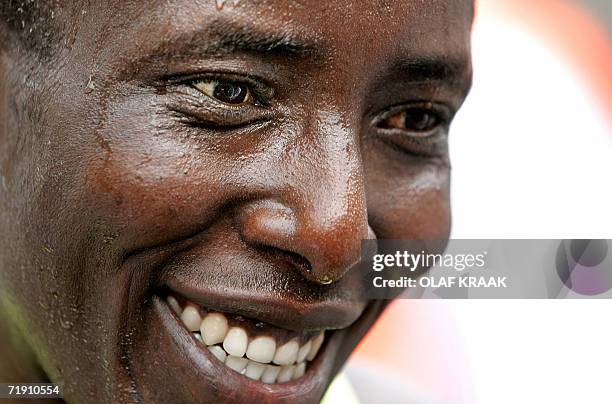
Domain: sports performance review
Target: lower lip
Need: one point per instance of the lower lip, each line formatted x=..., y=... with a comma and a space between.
x=309, y=387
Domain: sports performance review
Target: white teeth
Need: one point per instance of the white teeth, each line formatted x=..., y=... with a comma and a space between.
x=218, y=352
x=174, y=305
x=214, y=328
x=316, y=345
x=236, y=363
x=191, y=317
x=286, y=354
x=254, y=370
x=231, y=345
x=285, y=374
x=270, y=374
x=300, y=369
x=304, y=350
x=235, y=342
x=261, y=349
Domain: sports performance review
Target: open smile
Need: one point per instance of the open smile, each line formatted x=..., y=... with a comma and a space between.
x=250, y=347
x=243, y=357
x=232, y=338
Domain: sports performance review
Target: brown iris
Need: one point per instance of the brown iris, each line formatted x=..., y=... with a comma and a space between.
x=232, y=93
x=229, y=92
x=412, y=119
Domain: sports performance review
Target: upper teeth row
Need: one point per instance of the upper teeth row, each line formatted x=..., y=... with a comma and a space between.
x=214, y=329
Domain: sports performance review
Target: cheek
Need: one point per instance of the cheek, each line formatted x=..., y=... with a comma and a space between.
x=152, y=182
x=144, y=184
x=153, y=193
x=412, y=203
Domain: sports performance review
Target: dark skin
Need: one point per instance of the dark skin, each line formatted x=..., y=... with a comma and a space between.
x=122, y=179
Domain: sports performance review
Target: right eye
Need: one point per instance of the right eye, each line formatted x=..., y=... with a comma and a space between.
x=228, y=92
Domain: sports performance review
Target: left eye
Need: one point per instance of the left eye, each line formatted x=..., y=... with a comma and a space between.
x=413, y=120
x=229, y=92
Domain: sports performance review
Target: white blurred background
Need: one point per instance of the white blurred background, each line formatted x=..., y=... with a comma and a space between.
x=532, y=158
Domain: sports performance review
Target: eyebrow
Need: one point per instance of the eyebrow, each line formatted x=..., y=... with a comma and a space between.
x=229, y=38
x=222, y=37
x=423, y=69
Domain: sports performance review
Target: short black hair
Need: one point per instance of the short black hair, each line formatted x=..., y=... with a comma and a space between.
x=31, y=23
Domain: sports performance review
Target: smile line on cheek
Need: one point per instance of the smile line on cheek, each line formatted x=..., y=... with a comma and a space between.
x=252, y=348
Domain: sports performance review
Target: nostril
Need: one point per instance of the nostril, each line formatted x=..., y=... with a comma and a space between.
x=291, y=260
x=296, y=260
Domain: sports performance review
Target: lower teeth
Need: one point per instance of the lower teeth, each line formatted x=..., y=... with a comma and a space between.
x=267, y=373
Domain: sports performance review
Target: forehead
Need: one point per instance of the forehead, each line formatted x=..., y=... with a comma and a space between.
x=369, y=29
x=332, y=20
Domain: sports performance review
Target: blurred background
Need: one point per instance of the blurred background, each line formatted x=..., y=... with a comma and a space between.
x=532, y=158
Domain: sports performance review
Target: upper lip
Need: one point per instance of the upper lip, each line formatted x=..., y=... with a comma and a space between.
x=296, y=304
x=282, y=312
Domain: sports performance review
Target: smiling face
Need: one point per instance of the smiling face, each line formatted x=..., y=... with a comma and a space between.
x=189, y=174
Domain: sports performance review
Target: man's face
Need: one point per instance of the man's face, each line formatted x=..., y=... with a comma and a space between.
x=229, y=156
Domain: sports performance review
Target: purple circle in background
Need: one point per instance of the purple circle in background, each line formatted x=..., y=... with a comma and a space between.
x=583, y=266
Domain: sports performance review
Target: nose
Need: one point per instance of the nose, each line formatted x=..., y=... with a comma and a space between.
x=319, y=213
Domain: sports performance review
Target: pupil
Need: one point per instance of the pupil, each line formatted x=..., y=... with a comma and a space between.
x=230, y=93
x=419, y=120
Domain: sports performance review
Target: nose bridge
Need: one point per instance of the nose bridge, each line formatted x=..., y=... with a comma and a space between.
x=332, y=181
x=320, y=214
x=332, y=215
